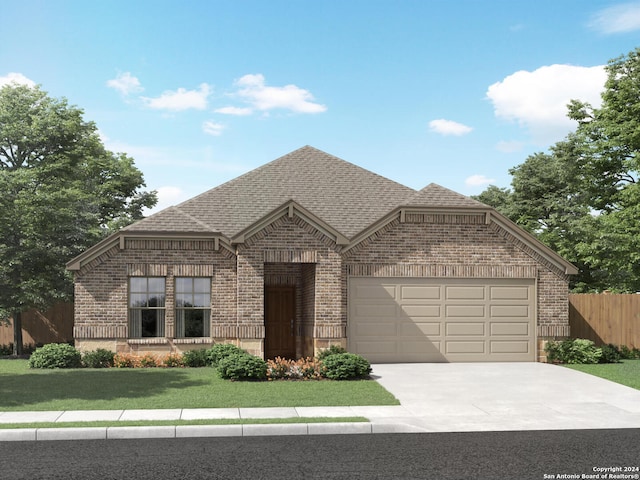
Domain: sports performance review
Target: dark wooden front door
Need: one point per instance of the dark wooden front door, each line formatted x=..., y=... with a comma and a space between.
x=279, y=320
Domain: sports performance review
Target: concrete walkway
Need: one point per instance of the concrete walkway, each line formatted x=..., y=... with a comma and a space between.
x=434, y=398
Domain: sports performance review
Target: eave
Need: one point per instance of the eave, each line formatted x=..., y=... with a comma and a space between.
x=119, y=239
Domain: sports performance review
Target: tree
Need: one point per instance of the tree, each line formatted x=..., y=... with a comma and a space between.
x=61, y=192
x=583, y=197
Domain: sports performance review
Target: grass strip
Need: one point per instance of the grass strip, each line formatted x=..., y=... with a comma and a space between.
x=171, y=423
x=625, y=373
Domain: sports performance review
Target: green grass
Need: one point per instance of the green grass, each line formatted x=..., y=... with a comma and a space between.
x=24, y=389
x=626, y=373
x=179, y=423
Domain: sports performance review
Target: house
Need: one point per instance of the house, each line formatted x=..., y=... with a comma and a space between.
x=309, y=251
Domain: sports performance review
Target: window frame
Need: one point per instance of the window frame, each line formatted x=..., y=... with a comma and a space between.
x=138, y=315
x=181, y=311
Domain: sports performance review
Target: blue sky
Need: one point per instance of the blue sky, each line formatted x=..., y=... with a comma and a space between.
x=197, y=92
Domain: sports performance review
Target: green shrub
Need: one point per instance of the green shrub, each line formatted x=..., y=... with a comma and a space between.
x=100, y=358
x=196, y=358
x=220, y=351
x=345, y=366
x=172, y=360
x=573, y=351
x=242, y=366
x=610, y=354
x=626, y=353
x=332, y=350
x=56, y=355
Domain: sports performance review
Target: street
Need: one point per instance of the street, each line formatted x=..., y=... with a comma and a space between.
x=480, y=455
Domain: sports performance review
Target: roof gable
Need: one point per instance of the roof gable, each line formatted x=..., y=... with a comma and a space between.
x=434, y=195
x=340, y=194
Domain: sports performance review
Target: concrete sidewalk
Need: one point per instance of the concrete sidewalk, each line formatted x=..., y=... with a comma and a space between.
x=434, y=398
x=374, y=413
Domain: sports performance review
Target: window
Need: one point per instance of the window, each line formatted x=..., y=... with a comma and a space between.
x=193, y=307
x=146, y=307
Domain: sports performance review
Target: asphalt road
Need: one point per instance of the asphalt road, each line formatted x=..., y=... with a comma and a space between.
x=443, y=456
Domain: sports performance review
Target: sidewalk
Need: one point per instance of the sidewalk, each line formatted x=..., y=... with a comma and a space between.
x=377, y=416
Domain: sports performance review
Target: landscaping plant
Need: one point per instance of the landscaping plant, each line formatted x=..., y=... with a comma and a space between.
x=222, y=350
x=242, y=366
x=332, y=350
x=100, y=358
x=196, y=358
x=575, y=351
x=346, y=366
x=56, y=355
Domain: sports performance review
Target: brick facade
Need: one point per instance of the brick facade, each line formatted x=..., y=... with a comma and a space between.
x=290, y=251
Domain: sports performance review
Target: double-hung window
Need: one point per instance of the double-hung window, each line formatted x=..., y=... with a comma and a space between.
x=146, y=307
x=193, y=307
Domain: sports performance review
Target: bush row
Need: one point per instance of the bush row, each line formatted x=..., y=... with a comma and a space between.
x=581, y=350
x=231, y=362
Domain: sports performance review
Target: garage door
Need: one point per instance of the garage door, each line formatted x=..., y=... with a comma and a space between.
x=438, y=320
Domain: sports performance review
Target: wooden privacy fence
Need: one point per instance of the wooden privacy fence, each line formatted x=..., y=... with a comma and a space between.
x=606, y=318
x=38, y=328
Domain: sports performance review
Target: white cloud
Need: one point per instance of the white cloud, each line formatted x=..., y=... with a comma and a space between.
x=239, y=111
x=479, y=180
x=168, y=196
x=125, y=83
x=621, y=18
x=264, y=98
x=510, y=146
x=13, y=77
x=538, y=100
x=180, y=99
x=212, y=128
x=449, y=127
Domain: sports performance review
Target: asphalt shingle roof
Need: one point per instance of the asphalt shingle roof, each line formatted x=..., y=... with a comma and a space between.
x=343, y=195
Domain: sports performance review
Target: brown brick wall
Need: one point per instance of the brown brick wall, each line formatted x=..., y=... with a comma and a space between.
x=431, y=246
x=290, y=251
x=101, y=290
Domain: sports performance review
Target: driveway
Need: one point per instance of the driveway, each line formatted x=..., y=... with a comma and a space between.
x=505, y=396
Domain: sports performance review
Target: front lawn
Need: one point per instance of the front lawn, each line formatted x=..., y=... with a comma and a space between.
x=24, y=389
x=626, y=373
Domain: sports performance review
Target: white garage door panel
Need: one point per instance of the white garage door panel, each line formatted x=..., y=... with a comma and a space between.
x=465, y=310
x=465, y=329
x=509, y=293
x=465, y=347
x=465, y=293
x=416, y=293
x=514, y=329
x=421, y=310
x=442, y=320
x=510, y=347
x=510, y=311
x=408, y=329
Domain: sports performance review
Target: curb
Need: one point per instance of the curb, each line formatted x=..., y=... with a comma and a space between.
x=191, y=431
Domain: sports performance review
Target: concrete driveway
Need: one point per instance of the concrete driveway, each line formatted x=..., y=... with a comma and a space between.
x=505, y=396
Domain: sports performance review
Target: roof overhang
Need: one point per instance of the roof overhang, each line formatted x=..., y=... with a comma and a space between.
x=119, y=239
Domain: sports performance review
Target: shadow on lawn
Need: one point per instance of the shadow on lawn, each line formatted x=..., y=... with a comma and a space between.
x=20, y=390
